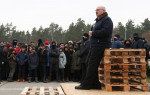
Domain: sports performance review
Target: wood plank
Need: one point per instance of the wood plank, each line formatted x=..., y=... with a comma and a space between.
x=41, y=90
x=51, y=91
x=33, y=91
x=24, y=92
x=60, y=91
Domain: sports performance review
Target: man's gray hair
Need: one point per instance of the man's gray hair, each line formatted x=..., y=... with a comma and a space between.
x=103, y=8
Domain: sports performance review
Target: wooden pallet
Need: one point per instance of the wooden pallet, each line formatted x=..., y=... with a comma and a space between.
x=119, y=68
x=110, y=87
x=124, y=52
x=42, y=91
x=124, y=67
x=123, y=59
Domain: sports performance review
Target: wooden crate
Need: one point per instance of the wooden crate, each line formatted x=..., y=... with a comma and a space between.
x=42, y=91
x=120, y=68
x=124, y=52
x=123, y=59
x=124, y=87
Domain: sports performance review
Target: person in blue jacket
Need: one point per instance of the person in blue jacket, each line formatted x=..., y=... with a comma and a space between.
x=22, y=58
x=117, y=43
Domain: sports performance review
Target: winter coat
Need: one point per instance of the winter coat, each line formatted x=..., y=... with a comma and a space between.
x=68, y=57
x=11, y=60
x=22, y=57
x=102, y=32
x=75, y=64
x=139, y=44
x=54, y=56
x=147, y=47
x=33, y=61
x=17, y=50
x=3, y=55
x=42, y=57
x=62, y=60
x=117, y=44
x=48, y=64
x=84, y=50
x=127, y=46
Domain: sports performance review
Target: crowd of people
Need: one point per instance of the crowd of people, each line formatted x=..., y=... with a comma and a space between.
x=47, y=62
x=135, y=43
x=43, y=62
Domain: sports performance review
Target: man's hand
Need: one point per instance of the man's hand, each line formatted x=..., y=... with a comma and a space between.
x=90, y=33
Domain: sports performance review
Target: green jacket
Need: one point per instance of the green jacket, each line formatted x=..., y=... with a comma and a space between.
x=75, y=64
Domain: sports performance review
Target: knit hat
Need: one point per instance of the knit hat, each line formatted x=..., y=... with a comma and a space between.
x=46, y=43
x=40, y=41
x=135, y=34
x=86, y=35
x=117, y=35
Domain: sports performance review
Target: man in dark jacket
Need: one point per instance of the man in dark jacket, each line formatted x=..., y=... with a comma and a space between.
x=22, y=58
x=54, y=61
x=138, y=43
x=39, y=43
x=1, y=62
x=100, y=39
x=42, y=52
x=4, y=64
x=33, y=61
x=67, y=68
x=117, y=43
x=83, y=53
x=14, y=43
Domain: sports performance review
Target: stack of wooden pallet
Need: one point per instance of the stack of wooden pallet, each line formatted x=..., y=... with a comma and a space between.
x=123, y=69
x=42, y=91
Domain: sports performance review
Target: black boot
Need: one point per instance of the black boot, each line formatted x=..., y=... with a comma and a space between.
x=81, y=88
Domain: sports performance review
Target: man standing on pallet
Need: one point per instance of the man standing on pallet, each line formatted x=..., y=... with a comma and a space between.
x=100, y=35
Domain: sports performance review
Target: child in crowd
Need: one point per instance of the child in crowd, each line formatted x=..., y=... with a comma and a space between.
x=17, y=49
x=42, y=53
x=33, y=61
x=22, y=58
x=12, y=64
x=62, y=63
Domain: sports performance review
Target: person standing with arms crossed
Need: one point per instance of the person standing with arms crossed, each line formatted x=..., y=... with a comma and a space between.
x=100, y=39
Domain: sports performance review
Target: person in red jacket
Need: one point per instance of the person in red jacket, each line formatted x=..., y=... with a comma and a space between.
x=17, y=49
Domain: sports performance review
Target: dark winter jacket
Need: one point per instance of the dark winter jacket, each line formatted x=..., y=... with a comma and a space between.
x=14, y=43
x=102, y=32
x=67, y=57
x=12, y=60
x=33, y=61
x=138, y=44
x=22, y=57
x=1, y=55
x=75, y=64
x=84, y=50
x=42, y=57
x=147, y=47
x=54, y=56
x=117, y=44
x=128, y=46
